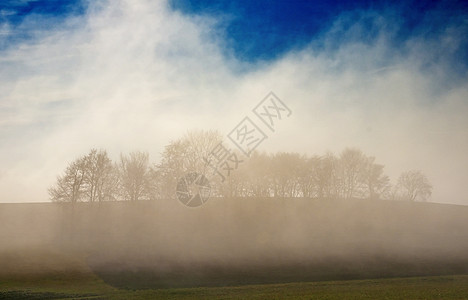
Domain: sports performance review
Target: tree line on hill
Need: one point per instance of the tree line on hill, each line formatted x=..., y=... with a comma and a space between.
x=94, y=177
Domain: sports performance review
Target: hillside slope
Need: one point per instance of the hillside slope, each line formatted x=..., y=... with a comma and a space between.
x=234, y=241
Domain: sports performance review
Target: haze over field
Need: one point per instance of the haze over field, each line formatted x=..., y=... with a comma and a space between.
x=231, y=241
x=134, y=75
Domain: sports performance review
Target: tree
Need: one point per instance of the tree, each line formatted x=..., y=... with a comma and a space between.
x=286, y=170
x=375, y=182
x=239, y=182
x=182, y=156
x=352, y=164
x=100, y=180
x=200, y=144
x=164, y=176
x=91, y=177
x=413, y=185
x=308, y=177
x=95, y=178
x=327, y=180
x=70, y=187
x=257, y=175
x=134, y=176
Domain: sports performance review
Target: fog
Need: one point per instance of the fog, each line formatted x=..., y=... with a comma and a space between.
x=128, y=76
x=233, y=241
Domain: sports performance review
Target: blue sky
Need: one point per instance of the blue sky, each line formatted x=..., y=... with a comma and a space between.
x=263, y=30
x=387, y=77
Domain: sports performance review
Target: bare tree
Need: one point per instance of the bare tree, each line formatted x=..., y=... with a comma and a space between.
x=164, y=176
x=326, y=176
x=286, y=170
x=70, y=187
x=110, y=184
x=100, y=180
x=375, y=182
x=182, y=156
x=95, y=178
x=352, y=163
x=308, y=177
x=238, y=183
x=255, y=176
x=413, y=185
x=200, y=144
x=134, y=176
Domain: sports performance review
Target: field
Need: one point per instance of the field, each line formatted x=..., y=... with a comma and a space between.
x=234, y=249
x=91, y=287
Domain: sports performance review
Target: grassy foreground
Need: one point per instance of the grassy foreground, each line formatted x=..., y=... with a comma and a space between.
x=81, y=286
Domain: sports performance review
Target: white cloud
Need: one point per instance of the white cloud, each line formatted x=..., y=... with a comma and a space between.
x=136, y=75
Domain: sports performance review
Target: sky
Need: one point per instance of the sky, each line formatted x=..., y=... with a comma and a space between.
x=389, y=78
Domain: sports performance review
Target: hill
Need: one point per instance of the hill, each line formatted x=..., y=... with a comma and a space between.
x=233, y=241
